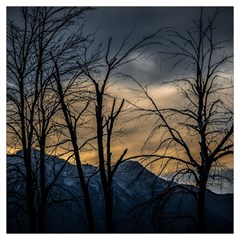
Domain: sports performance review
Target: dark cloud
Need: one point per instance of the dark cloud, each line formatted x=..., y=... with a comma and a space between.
x=116, y=21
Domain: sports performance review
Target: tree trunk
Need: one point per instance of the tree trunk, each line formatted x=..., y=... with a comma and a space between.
x=109, y=210
x=201, y=201
x=106, y=183
x=30, y=192
x=41, y=213
x=86, y=196
x=201, y=209
x=43, y=191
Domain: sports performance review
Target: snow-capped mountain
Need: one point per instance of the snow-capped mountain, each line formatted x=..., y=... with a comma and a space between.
x=143, y=202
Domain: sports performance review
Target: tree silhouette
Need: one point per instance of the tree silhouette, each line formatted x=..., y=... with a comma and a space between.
x=200, y=132
x=108, y=62
x=72, y=126
x=58, y=91
x=31, y=102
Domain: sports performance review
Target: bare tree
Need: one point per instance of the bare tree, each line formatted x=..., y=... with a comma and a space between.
x=31, y=105
x=196, y=137
x=46, y=107
x=100, y=73
x=72, y=118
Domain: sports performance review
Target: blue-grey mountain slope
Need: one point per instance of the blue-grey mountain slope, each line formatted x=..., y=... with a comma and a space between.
x=143, y=202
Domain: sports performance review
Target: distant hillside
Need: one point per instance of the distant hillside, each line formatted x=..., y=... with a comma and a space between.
x=139, y=200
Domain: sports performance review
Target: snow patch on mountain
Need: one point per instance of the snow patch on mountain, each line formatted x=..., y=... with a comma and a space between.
x=139, y=200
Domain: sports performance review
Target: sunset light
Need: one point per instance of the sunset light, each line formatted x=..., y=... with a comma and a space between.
x=120, y=120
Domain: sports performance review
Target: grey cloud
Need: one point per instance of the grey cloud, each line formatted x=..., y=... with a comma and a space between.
x=116, y=21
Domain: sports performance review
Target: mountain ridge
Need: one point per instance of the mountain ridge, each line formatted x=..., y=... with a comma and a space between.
x=137, y=201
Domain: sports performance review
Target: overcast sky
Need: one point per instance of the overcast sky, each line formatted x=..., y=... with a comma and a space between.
x=116, y=21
